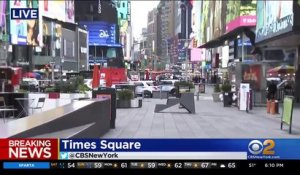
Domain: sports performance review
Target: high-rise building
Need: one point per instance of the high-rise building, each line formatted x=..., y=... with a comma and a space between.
x=165, y=28
x=124, y=21
x=151, y=50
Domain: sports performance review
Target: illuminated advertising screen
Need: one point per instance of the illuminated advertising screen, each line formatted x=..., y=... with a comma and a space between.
x=70, y=11
x=18, y=28
x=240, y=13
x=33, y=32
x=240, y=8
x=101, y=33
x=2, y=13
x=273, y=18
x=56, y=9
x=204, y=21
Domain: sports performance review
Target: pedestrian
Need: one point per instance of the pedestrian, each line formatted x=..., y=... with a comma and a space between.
x=272, y=88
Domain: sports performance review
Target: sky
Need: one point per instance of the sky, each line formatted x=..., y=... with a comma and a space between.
x=139, y=15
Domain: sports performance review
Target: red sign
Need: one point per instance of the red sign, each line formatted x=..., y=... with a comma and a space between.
x=28, y=149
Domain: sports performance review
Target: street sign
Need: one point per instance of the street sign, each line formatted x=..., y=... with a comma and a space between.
x=244, y=90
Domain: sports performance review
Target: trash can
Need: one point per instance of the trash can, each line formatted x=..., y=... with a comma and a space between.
x=268, y=106
x=113, y=99
x=274, y=107
x=227, y=98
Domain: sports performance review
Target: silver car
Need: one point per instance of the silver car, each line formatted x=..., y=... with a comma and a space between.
x=146, y=87
x=168, y=85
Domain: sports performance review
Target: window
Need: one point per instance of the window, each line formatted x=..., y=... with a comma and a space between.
x=122, y=16
x=118, y=4
x=111, y=53
x=68, y=48
x=123, y=4
x=150, y=83
x=138, y=84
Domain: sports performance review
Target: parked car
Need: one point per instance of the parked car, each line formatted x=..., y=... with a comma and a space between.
x=168, y=85
x=30, y=84
x=146, y=87
x=88, y=82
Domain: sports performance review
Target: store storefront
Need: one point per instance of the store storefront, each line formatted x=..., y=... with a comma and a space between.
x=277, y=35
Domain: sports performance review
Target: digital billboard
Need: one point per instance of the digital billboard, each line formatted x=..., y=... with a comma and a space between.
x=60, y=10
x=70, y=11
x=18, y=28
x=273, y=18
x=3, y=13
x=240, y=8
x=100, y=33
x=33, y=32
x=204, y=21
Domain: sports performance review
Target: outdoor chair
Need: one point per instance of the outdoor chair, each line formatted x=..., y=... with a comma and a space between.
x=39, y=105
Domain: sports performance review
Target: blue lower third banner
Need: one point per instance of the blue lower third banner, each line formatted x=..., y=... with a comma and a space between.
x=179, y=149
x=26, y=165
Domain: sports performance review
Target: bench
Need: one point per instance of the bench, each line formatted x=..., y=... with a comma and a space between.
x=80, y=119
x=186, y=101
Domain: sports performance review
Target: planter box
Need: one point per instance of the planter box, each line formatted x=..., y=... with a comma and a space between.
x=136, y=103
x=123, y=103
x=216, y=97
x=54, y=95
x=164, y=94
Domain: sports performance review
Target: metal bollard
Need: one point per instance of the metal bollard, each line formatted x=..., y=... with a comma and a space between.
x=198, y=96
x=143, y=94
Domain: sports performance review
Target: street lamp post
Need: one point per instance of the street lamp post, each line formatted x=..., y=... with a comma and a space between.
x=184, y=6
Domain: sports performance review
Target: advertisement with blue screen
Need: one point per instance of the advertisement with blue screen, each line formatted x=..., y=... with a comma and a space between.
x=100, y=33
x=18, y=28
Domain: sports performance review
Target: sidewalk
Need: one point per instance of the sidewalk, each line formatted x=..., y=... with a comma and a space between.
x=211, y=120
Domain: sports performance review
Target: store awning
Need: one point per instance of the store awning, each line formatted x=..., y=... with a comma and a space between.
x=227, y=36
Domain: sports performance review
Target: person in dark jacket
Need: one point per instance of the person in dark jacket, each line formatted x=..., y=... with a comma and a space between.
x=272, y=88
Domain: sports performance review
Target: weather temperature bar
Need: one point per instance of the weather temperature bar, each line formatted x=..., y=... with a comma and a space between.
x=153, y=164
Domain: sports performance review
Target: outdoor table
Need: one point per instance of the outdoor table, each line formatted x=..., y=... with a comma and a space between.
x=23, y=105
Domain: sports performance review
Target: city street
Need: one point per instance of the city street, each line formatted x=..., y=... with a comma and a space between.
x=211, y=120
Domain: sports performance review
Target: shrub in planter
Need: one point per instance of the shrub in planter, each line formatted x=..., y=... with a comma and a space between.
x=226, y=87
x=216, y=94
x=180, y=85
x=124, y=98
x=227, y=94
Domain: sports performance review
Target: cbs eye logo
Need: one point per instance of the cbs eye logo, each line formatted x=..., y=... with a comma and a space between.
x=257, y=147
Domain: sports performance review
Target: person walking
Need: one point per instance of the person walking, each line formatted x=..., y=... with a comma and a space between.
x=272, y=89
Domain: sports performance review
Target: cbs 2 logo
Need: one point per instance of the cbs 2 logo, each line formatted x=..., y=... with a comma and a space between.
x=266, y=148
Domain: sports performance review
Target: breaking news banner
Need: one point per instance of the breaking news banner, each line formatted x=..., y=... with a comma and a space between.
x=149, y=149
x=179, y=149
x=29, y=149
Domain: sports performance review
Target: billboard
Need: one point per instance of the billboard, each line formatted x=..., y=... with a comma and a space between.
x=69, y=11
x=204, y=20
x=240, y=8
x=197, y=54
x=60, y=10
x=273, y=18
x=252, y=74
x=18, y=28
x=240, y=13
x=33, y=32
x=100, y=33
x=2, y=13
x=196, y=21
